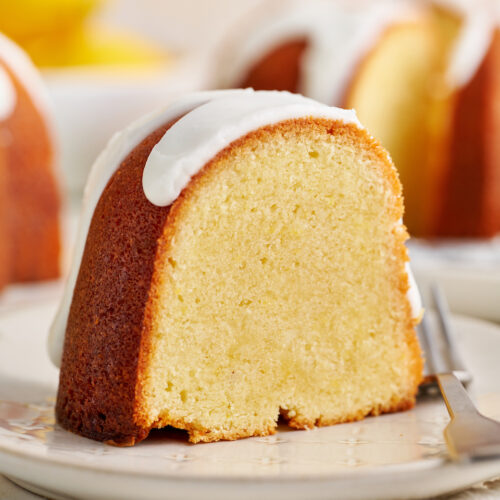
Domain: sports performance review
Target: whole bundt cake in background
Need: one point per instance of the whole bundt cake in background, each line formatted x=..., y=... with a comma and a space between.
x=240, y=256
x=29, y=197
x=424, y=79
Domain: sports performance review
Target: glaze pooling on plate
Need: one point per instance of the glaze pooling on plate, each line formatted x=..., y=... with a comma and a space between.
x=210, y=122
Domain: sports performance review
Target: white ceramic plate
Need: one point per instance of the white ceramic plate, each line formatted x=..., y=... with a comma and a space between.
x=392, y=456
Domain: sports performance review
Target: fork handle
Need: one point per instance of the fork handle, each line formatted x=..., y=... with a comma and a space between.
x=455, y=396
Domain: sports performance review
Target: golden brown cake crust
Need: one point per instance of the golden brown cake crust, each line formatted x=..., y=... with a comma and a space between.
x=98, y=376
x=31, y=202
x=108, y=338
x=471, y=192
x=4, y=231
x=280, y=69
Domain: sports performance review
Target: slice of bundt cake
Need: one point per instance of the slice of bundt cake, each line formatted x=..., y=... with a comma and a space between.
x=29, y=197
x=241, y=255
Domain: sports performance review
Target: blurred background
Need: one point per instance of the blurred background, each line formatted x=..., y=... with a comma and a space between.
x=423, y=76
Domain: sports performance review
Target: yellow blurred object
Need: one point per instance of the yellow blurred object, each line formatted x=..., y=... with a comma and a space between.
x=96, y=46
x=27, y=20
x=59, y=33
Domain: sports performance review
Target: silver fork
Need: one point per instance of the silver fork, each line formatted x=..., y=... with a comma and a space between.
x=470, y=435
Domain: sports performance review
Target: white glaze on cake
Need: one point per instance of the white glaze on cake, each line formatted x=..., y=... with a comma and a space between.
x=208, y=129
x=211, y=121
x=8, y=96
x=22, y=67
x=101, y=172
x=480, y=19
x=413, y=294
x=335, y=52
x=339, y=35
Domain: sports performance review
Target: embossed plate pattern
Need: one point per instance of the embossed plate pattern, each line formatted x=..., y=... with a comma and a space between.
x=392, y=456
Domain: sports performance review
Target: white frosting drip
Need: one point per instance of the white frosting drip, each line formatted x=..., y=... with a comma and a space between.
x=8, y=96
x=106, y=164
x=201, y=134
x=413, y=293
x=339, y=36
x=249, y=48
x=211, y=121
x=480, y=19
x=20, y=64
x=340, y=41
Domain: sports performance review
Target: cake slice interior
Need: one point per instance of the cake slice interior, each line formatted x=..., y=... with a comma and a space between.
x=280, y=288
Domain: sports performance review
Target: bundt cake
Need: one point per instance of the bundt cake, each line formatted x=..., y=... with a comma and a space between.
x=29, y=198
x=423, y=78
x=240, y=256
